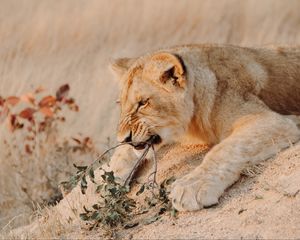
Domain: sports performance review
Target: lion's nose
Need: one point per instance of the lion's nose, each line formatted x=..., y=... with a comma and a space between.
x=128, y=138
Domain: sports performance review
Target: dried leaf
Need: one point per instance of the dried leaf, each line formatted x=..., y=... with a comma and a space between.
x=42, y=126
x=12, y=122
x=27, y=113
x=29, y=98
x=70, y=101
x=12, y=100
x=76, y=140
x=74, y=107
x=39, y=89
x=4, y=113
x=62, y=92
x=48, y=101
x=2, y=101
x=29, y=138
x=87, y=141
x=47, y=112
x=28, y=149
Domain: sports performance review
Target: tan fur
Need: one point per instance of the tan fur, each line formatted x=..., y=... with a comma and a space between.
x=227, y=96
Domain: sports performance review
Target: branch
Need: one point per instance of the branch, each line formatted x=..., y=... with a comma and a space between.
x=136, y=165
x=153, y=182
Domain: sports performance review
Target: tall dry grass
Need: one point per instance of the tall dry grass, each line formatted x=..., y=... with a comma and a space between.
x=53, y=42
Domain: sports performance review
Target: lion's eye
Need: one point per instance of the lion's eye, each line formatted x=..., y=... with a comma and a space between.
x=142, y=103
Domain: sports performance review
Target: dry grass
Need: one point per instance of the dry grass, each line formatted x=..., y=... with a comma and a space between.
x=71, y=41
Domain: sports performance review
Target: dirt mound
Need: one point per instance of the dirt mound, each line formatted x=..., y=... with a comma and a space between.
x=265, y=205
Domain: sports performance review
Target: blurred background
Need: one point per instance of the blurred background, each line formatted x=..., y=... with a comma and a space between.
x=53, y=42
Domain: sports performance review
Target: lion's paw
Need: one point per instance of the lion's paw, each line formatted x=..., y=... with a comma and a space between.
x=193, y=193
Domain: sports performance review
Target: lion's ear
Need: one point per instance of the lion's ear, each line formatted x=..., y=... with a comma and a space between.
x=121, y=65
x=168, y=68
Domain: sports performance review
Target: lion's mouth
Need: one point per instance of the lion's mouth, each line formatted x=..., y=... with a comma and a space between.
x=154, y=139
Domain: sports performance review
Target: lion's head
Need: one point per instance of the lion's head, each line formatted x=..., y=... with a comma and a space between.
x=155, y=102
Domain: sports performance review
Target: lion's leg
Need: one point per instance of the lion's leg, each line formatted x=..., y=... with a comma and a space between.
x=255, y=137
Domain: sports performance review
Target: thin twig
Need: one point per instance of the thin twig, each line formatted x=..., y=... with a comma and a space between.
x=104, y=153
x=112, y=148
x=136, y=165
x=153, y=183
x=107, y=151
x=149, y=144
x=97, y=160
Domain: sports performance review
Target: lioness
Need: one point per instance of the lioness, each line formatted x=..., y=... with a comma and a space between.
x=230, y=97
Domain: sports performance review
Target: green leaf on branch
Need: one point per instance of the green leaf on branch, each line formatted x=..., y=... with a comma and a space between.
x=80, y=168
x=141, y=190
x=84, y=216
x=92, y=175
x=83, y=185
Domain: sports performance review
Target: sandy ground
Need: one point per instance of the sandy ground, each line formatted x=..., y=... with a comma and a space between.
x=264, y=204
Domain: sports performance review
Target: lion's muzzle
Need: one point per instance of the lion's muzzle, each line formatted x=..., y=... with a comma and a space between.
x=154, y=139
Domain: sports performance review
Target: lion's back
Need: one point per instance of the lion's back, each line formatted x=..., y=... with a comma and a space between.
x=270, y=73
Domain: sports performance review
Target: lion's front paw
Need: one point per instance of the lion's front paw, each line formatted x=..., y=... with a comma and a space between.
x=193, y=193
x=122, y=162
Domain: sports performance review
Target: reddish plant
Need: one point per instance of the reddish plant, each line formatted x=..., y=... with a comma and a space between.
x=40, y=156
